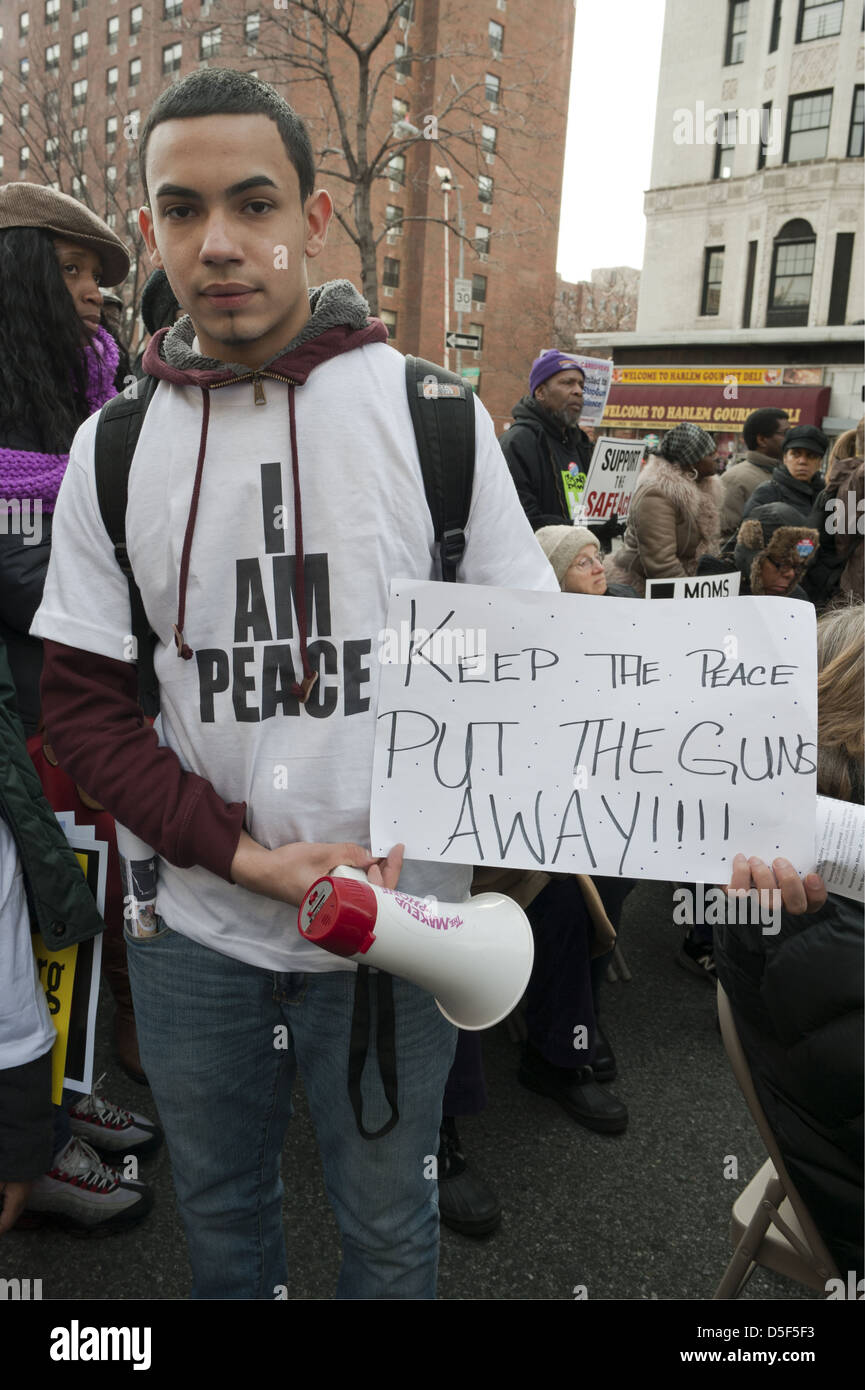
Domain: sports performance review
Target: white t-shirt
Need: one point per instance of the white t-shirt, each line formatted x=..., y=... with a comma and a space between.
x=304, y=771
x=26, y=1030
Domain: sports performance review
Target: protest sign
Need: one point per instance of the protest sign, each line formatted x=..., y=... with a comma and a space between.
x=598, y=372
x=610, y=481
x=839, y=856
x=70, y=978
x=695, y=586
x=596, y=735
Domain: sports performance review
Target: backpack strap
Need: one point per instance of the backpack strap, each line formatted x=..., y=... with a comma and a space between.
x=117, y=432
x=443, y=415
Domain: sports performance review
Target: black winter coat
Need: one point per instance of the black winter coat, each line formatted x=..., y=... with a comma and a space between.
x=538, y=451
x=797, y=999
x=783, y=487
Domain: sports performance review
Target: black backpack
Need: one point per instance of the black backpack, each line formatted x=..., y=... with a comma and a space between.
x=442, y=412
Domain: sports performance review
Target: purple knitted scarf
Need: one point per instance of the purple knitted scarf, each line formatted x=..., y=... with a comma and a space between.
x=26, y=475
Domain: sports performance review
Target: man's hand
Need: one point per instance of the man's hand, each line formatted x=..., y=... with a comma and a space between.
x=287, y=872
x=798, y=895
x=13, y=1195
x=385, y=873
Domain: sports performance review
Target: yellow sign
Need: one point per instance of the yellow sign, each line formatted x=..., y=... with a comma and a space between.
x=717, y=376
x=649, y=417
x=57, y=978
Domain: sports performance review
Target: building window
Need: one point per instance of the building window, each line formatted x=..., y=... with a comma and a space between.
x=24, y=24
x=775, y=31
x=211, y=43
x=492, y=88
x=79, y=139
x=406, y=11
x=808, y=127
x=172, y=9
x=111, y=175
x=112, y=29
x=725, y=145
x=111, y=130
x=171, y=58
x=393, y=218
x=23, y=114
x=841, y=278
x=482, y=240
x=399, y=110
x=403, y=60
x=78, y=5
x=79, y=184
x=52, y=57
x=765, y=129
x=396, y=168
x=136, y=19
x=52, y=147
x=488, y=138
x=713, y=270
x=134, y=72
x=388, y=318
x=79, y=92
x=792, y=272
x=478, y=330
x=80, y=44
x=23, y=156
x=748, y=301
x=112, y=77
x=252, y=27
x=485, y=189
x=497, y=38
x=24, y=68
x=854, y=144
x=737, y=25
x=479, y=289
x=818, y=19
x=390, y=273
x=131, y=125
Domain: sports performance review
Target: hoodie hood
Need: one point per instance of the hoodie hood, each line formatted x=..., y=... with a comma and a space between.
x=339, y=321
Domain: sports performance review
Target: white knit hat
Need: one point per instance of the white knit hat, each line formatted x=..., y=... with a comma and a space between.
x=562, y=545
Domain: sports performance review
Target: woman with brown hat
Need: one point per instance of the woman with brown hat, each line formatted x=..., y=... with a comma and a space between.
x=674, y=515
x=57, y=366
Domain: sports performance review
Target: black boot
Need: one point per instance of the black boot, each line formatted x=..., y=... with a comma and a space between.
x=467, y=1204
x=576, y=1091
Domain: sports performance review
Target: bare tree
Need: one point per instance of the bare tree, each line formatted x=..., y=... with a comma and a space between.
x=348, y=59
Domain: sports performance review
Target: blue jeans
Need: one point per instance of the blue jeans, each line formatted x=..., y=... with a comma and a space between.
x=221, y=1042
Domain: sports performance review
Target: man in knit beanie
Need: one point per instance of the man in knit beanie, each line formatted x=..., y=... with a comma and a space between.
x=545, y=446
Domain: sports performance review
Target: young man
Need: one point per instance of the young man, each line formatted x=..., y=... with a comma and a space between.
x=266, y=597
x=764, y=432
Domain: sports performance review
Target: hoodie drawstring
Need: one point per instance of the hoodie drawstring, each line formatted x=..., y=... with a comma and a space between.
x=301, y=690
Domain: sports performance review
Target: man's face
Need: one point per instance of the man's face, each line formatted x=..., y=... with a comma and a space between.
x=562, y=394
x=802, y=464
x=82, y=272
x=227, y=224
x=772, y=444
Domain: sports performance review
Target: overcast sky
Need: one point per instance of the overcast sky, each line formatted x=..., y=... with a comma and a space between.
x=611, y=121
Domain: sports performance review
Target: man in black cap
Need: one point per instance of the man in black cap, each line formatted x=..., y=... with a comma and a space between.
x=797, y=479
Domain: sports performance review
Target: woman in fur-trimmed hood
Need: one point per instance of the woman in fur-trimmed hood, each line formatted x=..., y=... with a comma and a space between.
x=772, y=554
x=674, y=513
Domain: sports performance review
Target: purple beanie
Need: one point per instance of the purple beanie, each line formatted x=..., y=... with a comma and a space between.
x=548, y=364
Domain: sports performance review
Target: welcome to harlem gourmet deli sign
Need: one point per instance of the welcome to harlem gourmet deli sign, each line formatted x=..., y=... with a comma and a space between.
x=579, y=734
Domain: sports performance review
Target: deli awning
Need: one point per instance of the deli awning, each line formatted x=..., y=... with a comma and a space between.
x=658, y=408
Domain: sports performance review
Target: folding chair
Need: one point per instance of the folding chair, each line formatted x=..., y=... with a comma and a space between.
x=770, y=1224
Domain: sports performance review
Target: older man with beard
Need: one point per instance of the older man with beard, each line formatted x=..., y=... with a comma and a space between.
x=545, y=445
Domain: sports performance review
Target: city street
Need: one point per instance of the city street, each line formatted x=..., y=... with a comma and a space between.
x=643, y=1215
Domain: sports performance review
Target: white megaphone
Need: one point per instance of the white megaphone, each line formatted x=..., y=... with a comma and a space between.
x=475, y=957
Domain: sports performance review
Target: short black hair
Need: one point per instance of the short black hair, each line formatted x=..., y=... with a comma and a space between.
x=763, y=422
x=225, y=92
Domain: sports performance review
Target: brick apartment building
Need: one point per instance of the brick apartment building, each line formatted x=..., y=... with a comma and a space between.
x=465, y=115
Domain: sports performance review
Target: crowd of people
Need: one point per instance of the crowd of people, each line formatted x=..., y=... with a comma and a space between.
x=250, y=366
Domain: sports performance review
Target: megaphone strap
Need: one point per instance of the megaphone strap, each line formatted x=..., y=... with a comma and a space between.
x=385, y=1046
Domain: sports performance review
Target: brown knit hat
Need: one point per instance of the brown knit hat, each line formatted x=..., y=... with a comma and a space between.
x=562, y=545
x=31, y=205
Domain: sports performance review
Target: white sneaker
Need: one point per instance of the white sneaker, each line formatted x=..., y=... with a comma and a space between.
x=110, y=1129
x=84, y=1196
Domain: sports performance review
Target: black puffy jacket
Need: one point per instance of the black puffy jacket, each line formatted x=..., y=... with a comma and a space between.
x=797, y=999
x=538, y=451
x=783, y=487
